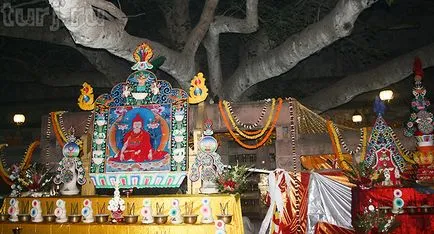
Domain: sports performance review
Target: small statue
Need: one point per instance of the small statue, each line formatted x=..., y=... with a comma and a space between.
x=175, y=212
x=87, y=211
x=206, y=211
x=207, y=165
x=36, y=211
x=220, y=227
x=69, y=166
x=13, y=210
x=117, y=205
x=60, y=211
x=146, y=212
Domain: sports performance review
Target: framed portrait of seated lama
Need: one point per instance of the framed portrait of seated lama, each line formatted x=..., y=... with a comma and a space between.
x=140, y=131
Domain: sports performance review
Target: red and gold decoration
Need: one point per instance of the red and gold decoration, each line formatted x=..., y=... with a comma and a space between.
x=421, y=125
x=383, y=153
x=86, y=99
x=198, y=90
x=25, y=163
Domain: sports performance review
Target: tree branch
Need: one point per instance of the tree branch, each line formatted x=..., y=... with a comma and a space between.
x=199, y=31
x=224, y=24
x=337, y=24
x=110, y=35
x=178, y=22
x=382, y=76
x=111, y=9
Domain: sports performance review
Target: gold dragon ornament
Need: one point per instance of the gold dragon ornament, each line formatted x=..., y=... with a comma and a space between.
x=86, y=100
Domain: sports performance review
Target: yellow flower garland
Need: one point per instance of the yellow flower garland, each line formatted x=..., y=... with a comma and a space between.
x=264, y=139
x=336, y=145
x=61, y=139
x=245, y=134
x=364, y=144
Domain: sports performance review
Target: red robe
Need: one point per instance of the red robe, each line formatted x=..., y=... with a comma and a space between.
x=139, y=148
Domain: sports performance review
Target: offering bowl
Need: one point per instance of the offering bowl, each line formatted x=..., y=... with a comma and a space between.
x=131, y=218
x=227, y=219
x=49, y=218
x=74, y=218
x=101, y=218
x=190, y=219
x=4, y=217
x=160, y=219
x=23, y=217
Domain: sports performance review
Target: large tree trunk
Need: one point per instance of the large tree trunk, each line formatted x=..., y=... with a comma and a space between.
x=337, y=24
x=108, y=33
x=391, y=72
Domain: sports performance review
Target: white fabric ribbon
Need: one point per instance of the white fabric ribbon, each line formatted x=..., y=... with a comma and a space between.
x=276, y=197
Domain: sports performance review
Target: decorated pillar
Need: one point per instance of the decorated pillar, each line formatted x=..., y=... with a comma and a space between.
x=383, y=154
x=421, y=126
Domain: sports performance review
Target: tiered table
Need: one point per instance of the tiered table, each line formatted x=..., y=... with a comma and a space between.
x=235, y=227
x=420, y=222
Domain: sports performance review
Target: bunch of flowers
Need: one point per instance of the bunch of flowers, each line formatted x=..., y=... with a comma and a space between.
x=373, y=220
x=362, y=175
x=34, y=178
x=233, y=180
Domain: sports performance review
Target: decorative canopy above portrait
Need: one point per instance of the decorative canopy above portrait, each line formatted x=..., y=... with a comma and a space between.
x=140, y=131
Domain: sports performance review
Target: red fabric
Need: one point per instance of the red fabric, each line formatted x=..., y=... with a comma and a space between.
x=420, y=223
x=326, y=228
x=287, y=222
x=417, y=67
x=138, y=148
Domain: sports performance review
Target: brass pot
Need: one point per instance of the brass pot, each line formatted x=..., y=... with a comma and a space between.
x=23, y=217
x=227, y=219
x=190, y=219
x=49, y=218
x=4, y=217
x=101, y=218
x=74, y=218
x=131, y=218
x=160, y=219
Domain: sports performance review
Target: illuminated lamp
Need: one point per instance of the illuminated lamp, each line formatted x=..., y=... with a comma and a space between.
x=19, y=119
x=386, y=95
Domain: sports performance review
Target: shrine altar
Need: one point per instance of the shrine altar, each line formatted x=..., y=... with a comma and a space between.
x=233, y=201
x=416, y=221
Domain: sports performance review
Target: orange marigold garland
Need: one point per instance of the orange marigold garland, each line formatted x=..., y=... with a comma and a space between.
x=56, y=129
x=264, y=139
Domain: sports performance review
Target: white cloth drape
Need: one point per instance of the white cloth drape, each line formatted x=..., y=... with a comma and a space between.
x=329, y=201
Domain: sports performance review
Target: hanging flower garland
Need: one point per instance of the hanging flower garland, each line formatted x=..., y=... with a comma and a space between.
x=248, y=135
x=402, y=150
x=249, y=126
x=362, y=139
x=61, y=139
x=295, y=173
x=264, y=139
x=336, y=146
x=59, y=127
